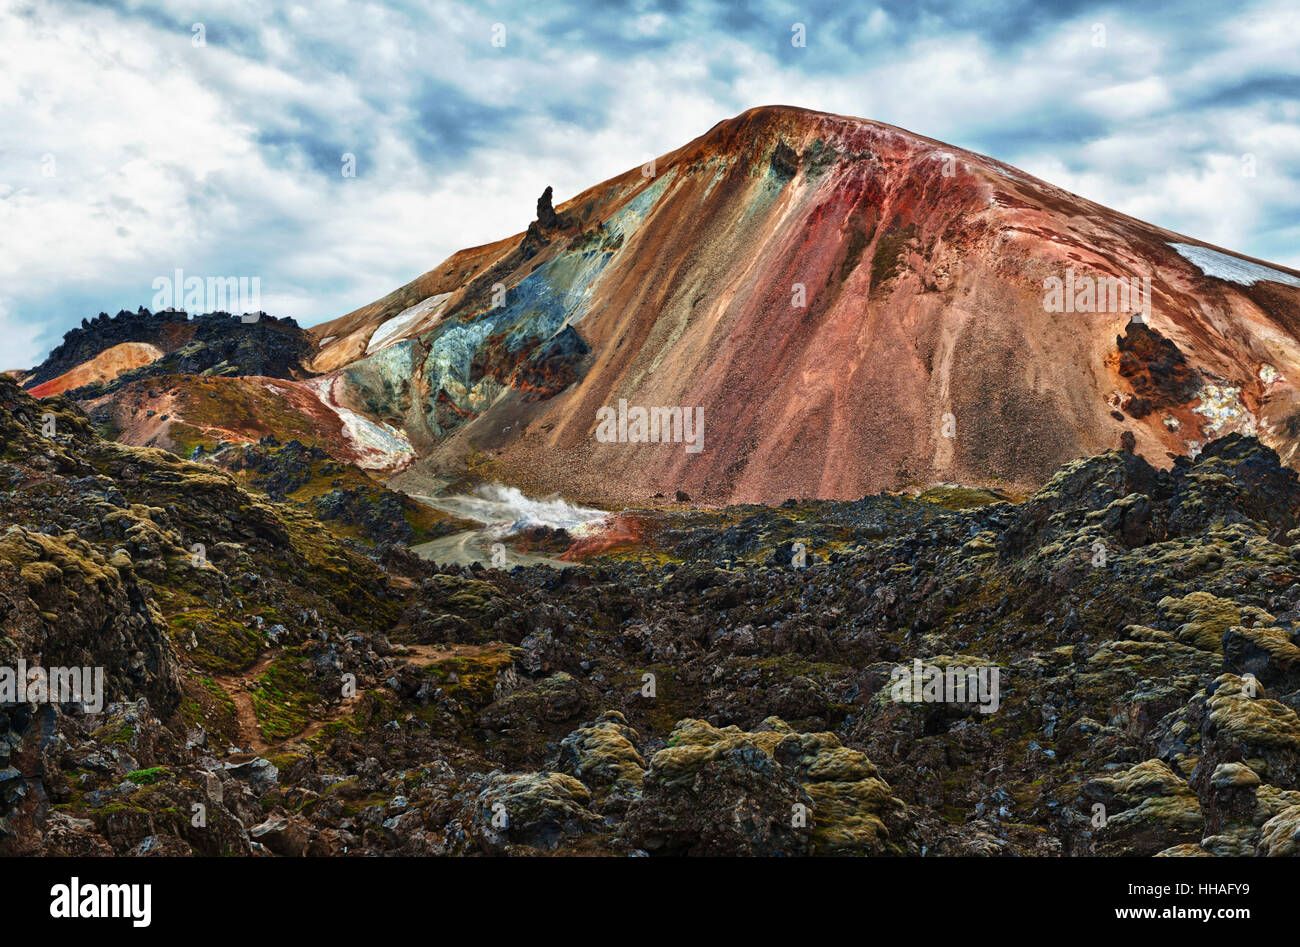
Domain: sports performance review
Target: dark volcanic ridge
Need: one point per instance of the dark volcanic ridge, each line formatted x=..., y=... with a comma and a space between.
x=215, y=343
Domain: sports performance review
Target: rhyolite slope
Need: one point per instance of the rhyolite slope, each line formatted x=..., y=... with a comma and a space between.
x=855, y=307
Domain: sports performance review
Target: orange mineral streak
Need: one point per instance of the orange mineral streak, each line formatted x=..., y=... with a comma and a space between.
x=105, y=366
x=622, y=531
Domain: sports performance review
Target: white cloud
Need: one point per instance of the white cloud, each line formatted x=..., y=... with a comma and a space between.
x=1128, y=100
x=224, y=160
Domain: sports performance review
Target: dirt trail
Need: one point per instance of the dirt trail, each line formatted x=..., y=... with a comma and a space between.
x=237, y=687
x=422, y=655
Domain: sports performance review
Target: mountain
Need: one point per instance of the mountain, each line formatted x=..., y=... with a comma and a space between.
x=205, y=510
x=102, y=367
x=924, y=349
x=236, y=394
x=846, y=307
x=145, y=344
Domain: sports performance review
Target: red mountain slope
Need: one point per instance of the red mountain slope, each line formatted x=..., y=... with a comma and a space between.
x=923, y=350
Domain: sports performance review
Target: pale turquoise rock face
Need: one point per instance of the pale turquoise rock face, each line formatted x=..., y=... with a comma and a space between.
x=535, y=312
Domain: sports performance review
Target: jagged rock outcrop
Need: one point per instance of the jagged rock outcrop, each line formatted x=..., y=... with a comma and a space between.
x=215, y=343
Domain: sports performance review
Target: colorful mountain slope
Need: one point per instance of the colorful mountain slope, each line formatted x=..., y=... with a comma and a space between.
x=854, y=307
x=105, y=366
x=185, y=413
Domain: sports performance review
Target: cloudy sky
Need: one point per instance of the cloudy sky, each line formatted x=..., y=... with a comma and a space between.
x=129, y=149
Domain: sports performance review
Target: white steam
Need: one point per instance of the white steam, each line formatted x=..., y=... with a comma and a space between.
x=505, y=510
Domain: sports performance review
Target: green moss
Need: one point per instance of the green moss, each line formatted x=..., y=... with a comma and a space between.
x=331, y=731
x=119, y=736
x=953, y=497
x=205, y=407
x=206, y=704
x=185, y=437
x=373, y=705
x=147, y=777
x=481, y=467
x=281, y=700
x=221, y=643
x=115, y=808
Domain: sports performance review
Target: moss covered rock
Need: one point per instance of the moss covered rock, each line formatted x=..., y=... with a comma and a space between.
x=603, y=754
x=534, y=810
x=767, y=792
x=1146, y=810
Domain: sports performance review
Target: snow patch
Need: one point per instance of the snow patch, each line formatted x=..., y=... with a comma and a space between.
x=377, y=446
x=388, y=332
x=1231, y=268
